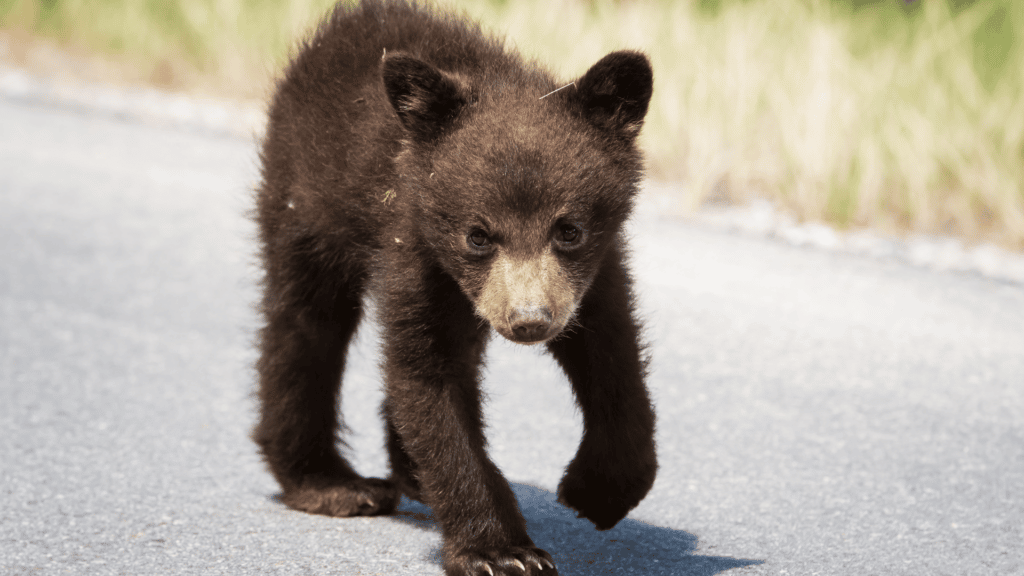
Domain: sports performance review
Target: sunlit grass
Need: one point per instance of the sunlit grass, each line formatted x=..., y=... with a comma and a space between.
x=883, y=116
x=230, y=46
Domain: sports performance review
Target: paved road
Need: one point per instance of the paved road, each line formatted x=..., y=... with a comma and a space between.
x=820, y=413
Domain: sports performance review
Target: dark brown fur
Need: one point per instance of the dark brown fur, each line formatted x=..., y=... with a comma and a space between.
x=411, y=157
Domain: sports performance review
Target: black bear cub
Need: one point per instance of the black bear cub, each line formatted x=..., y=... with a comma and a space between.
x=411, y=159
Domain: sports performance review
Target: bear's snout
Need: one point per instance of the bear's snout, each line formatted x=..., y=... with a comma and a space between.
x=527, y=300
x=530, y=323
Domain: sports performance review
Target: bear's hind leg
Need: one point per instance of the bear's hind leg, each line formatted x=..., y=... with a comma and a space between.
x=403, y=469
x=303, y=348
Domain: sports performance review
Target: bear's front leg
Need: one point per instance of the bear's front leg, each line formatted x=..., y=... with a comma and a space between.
x=615, y=465
x=433, y=346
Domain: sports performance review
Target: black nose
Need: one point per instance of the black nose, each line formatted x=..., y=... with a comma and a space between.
x=530, y=323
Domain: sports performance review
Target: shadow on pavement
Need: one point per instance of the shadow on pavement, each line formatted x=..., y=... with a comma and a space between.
x=632, y=547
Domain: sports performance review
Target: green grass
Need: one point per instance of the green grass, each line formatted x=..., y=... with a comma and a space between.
x=882, y=114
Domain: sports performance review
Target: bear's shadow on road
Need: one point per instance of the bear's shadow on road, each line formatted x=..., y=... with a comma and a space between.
x=632, y=547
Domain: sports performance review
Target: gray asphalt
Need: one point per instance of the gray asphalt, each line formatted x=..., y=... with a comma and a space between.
x=819, y=413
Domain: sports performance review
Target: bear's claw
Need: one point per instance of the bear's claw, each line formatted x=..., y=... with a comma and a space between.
x=511, y=561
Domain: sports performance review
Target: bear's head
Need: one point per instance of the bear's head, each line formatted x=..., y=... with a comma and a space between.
x=517, y=190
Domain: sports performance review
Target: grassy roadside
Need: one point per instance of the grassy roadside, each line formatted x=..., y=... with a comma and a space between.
x=894, y=116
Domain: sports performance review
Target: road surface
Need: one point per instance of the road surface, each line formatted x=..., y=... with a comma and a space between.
x=819, y=412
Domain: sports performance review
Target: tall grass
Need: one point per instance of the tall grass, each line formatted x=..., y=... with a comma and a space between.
x=884, y=114
x=230, y=46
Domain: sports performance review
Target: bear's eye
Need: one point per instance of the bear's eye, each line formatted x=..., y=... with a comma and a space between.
x=479, y=238
x=568, y=233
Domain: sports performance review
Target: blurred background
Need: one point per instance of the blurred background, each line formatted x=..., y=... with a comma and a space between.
x=898, y=116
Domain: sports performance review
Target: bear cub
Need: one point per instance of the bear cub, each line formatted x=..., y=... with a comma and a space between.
x=412, y=159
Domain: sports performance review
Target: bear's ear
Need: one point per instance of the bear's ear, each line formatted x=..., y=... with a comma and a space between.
x=613, y=95
x=426, y=99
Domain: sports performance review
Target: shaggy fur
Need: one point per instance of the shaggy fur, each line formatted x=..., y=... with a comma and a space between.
x=412, y=158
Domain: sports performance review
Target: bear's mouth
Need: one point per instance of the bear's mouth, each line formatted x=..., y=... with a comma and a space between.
x=531, y=325
x=528, y=339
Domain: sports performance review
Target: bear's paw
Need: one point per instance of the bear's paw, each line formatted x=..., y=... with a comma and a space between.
x=351, y=497
x=506, y=561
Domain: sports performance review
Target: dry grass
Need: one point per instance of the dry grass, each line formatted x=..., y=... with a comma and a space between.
x=230, y=47
x=875, y=117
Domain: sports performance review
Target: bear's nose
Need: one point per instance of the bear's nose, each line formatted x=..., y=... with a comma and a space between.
x=530, y=323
